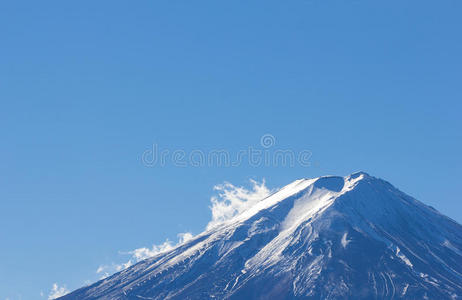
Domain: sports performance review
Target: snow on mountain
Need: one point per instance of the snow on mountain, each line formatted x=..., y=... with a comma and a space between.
x=353, y=237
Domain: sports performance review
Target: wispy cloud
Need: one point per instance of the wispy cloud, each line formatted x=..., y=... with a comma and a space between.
x=232, y=200
x=141, y=254
x=57, y=291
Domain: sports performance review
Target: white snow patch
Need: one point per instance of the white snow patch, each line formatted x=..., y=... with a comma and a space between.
x=344, y=240
x=450, y=246
x=405, y=289
x=403, y=257
x=308, y=206
x=284, y=193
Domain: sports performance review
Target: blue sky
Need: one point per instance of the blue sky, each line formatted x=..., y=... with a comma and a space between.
x=86, y=88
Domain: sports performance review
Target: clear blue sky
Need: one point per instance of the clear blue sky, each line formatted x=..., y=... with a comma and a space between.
x=86, y=87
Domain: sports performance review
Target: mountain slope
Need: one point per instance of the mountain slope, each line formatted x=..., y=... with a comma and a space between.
x=354, y=237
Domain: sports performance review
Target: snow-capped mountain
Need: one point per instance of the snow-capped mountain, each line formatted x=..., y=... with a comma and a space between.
x=353, y=237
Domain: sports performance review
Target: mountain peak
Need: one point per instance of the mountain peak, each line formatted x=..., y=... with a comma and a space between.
x=334, y=182
x=359, y=173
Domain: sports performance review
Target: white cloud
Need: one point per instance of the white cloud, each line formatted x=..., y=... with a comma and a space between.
x=183, y=237
x=57, y=291
x=143, y=253
x=232, y=200
x=140, y=254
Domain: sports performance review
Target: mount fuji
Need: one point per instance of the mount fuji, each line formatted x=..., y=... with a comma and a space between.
x=353, y=237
